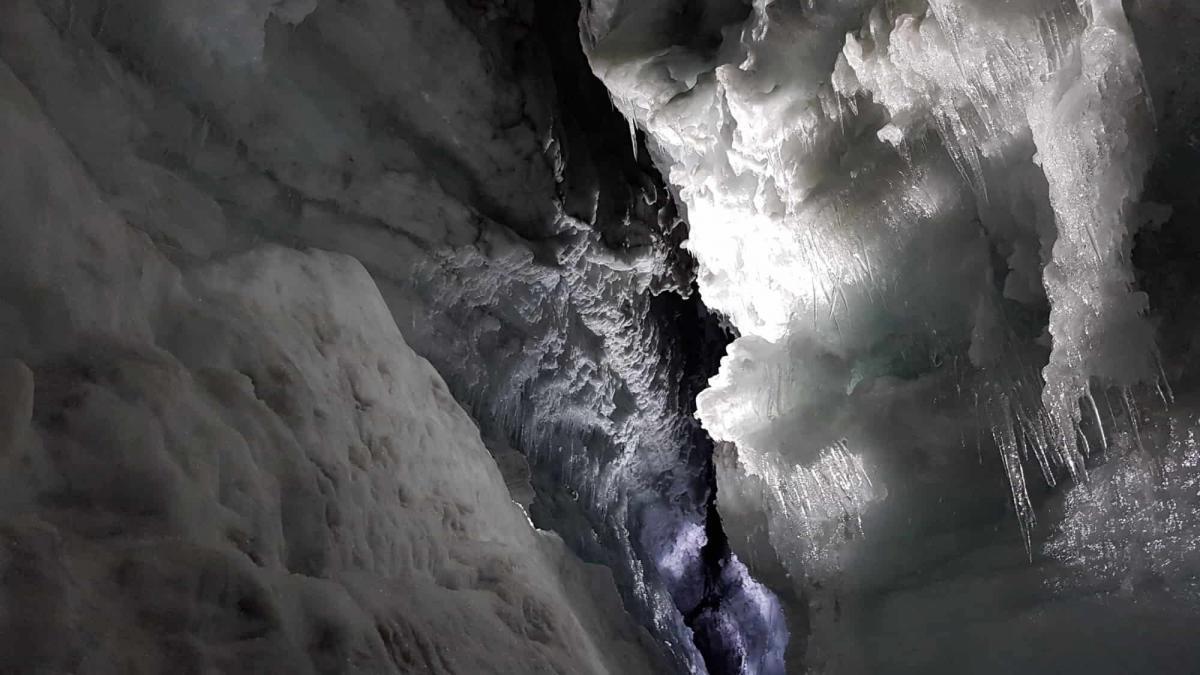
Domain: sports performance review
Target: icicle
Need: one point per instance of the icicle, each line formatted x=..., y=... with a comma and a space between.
x=1162, y=377
x=1006, y=443
x=1131, y=408
x=1099, y=422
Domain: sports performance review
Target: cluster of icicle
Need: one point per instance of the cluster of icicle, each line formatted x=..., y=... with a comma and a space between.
x=1073, y=83
x=825, y=499
x=848, y=179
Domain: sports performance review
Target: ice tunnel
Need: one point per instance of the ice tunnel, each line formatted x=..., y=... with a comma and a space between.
x=726, y=337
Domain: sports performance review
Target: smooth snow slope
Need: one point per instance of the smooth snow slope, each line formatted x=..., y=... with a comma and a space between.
x=240, y=466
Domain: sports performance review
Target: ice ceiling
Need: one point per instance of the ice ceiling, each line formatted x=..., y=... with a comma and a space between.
x=920, y=216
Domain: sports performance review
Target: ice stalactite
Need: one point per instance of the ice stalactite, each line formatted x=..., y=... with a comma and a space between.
x=1093, y=125
x=1070, y=80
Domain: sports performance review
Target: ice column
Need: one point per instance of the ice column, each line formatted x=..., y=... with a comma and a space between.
x=1094, y=128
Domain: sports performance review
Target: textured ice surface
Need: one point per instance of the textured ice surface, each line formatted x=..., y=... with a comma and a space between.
x=920, y=216
x=240, y=466
x=457, y=154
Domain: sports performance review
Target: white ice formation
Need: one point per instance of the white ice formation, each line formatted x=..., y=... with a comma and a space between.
x=920, y=216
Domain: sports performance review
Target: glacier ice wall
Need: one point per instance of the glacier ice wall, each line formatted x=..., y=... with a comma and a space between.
x=454, y=149
x=921, y=217
x=240, y=466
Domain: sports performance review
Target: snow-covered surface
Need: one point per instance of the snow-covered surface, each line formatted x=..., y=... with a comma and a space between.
x=240, y=466
x=920, y=215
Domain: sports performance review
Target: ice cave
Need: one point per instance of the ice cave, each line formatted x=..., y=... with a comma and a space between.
x=600, y=337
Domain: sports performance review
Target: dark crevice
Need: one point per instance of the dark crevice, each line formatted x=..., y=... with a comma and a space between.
x=709, y=600
x=714, y=556
x=609, y=181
